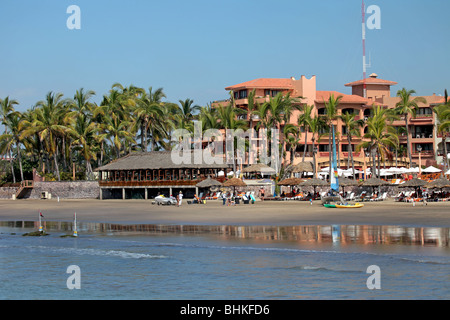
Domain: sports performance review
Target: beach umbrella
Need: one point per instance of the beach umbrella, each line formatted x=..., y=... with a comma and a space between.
x=345, y=182
x=234, y=182
x=314, y=183
x=291, y=182
x=413, y=183
x=438, y=184
x=303, y=167
x=431, y=169
x=207, y=183
x=374, y=182
x=447, y=173
x=259, y=168
x=412, y=170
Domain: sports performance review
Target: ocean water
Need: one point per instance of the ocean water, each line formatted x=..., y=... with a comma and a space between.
x=155, y=262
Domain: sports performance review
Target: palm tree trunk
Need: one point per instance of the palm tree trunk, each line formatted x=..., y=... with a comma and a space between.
x=408, y=142
x=56, y=166
x=329, y=150
x=12, y=167
x=145, y=138
x=444, y=142
x=306, y=145
x=374, y=164
x=349, y=139
x=314, y=157
x=63, y=152
x=19, y=158
x=379, y=164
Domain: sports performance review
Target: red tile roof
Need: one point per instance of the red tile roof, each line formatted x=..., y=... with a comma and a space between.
x=371, y=81
x=323, y=96
x=263, y=83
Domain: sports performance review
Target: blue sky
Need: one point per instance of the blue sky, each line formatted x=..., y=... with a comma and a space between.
x=194, y=49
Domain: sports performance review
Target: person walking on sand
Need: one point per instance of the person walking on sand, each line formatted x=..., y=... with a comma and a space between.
x=180, y=198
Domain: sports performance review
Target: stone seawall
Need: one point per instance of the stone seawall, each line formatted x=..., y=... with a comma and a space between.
x=7, y=192
x=66, y=189
x=62, y=189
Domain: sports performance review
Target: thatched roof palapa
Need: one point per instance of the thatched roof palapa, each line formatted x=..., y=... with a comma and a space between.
x=375, y=182
x=413, y=183
x=207, y=183
x=438, y=184
x=291, y=182
x=234, y=182
x=303, y=167
x=345, y=182
x=157, y=160
x=259, y=168
x=314, y=183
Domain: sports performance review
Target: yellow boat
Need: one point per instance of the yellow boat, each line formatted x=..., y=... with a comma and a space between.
x=352, y=206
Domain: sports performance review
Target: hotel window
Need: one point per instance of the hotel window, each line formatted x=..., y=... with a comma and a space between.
x=275, y=92
x=349, y=111
x=267, y=92
x=321, y=111
x=242, y=94
x=323, y=148
x=424, y=112
x=344, y=130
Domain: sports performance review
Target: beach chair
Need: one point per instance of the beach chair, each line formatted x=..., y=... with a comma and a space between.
x=382, y=197
x=361, y=196
x=350, y=197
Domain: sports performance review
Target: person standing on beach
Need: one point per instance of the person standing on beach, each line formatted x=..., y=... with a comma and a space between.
x=261, y=194
x=224, y=198
x=180, y=198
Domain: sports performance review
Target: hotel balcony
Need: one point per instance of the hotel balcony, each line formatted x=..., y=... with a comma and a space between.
x=422, y=119
x=423, y=138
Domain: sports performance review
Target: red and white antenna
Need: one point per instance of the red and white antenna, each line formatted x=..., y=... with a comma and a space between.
x=364, y=47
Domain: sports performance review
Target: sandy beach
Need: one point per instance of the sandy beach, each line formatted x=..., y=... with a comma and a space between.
x=267, y=213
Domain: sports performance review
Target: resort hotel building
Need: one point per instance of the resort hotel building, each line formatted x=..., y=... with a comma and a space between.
x=423, y=134
x=144, y=175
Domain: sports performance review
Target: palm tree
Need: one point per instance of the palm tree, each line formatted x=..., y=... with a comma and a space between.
x=291, y=138
x=187, y=110
x=149, y=113
x=331, y=108
x=80, y=103
x=353, y=128
x=6, y=109
x=381, y=136
x=443, y=116
x=86, y=139
x=228, y=117
x=316, y=125
x=304, y=120
x=48, y=123
x=406, y=107
x=117, y=130
x=12, y=138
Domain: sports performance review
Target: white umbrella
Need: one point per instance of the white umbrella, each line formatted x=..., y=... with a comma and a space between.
x=448, y=172
x=397, y=170
x=412, y=170
x=431, y=170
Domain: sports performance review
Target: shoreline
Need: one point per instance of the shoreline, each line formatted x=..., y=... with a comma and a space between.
x=267, y=213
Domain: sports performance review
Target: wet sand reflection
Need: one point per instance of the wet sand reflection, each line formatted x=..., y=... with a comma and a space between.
x=352, y=234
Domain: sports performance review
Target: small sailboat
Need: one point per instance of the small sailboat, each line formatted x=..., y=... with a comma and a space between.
x=75, y=231
x=41, y=228
x=334, y=183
